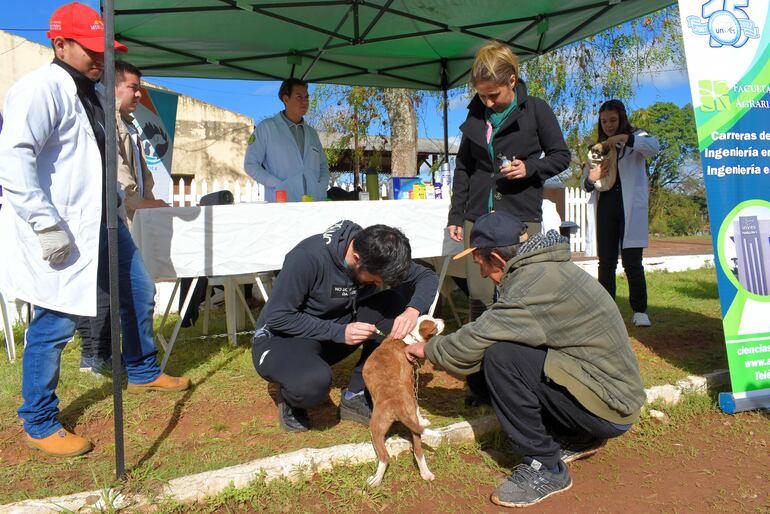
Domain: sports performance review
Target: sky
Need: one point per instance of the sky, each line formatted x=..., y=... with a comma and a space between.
x=258, y=99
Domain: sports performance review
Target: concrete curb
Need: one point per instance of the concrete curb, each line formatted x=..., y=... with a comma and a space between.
x=309, y=460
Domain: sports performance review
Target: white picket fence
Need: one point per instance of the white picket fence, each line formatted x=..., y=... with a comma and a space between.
x=243, y=192
x=576, y=210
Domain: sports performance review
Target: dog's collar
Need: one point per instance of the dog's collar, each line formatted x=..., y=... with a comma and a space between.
x=410, y=339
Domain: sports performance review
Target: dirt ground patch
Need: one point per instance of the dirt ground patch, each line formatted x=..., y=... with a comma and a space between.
x=703, y=462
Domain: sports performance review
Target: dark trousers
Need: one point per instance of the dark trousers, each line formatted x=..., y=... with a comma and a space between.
x=530, y=407
x=610, y=225
x=95, y=331
x=302, y=367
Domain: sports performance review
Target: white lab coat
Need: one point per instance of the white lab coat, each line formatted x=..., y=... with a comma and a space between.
x=274, y=160
x=636, y=192
x=51, y=172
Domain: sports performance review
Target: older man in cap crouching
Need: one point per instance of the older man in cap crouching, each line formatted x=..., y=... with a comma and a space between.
x=554, y=353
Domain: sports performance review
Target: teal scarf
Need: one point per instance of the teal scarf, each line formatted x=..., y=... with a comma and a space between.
x=496, y=119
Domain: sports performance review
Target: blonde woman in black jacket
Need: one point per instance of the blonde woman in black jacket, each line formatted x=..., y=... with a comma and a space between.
x=511, y=144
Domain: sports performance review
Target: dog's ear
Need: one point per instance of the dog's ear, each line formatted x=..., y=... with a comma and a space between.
x=427, y=329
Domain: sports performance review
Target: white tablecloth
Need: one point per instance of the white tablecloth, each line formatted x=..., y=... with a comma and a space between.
x=248, y=238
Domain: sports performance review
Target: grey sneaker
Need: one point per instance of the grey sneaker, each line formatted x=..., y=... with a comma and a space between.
x=357, y=408
x=576, y=450
x=530, y=484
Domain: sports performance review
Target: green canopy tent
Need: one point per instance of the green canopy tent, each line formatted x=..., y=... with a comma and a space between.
x=418, y=44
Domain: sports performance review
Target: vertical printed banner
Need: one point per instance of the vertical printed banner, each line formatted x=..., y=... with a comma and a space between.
x=156, y=120
x=727, y=43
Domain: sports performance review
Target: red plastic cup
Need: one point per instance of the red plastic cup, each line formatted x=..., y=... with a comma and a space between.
x=280, y=195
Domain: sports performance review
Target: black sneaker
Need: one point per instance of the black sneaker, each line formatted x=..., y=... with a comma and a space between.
x=475, y=400
x=576, y=449
x=292, y=419
x=530, y=484
x=357, y=408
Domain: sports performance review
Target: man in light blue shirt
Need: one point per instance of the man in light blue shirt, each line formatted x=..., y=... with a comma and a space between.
x=286, y=153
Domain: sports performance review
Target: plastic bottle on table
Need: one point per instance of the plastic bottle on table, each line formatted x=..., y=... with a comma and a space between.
x=446, y=180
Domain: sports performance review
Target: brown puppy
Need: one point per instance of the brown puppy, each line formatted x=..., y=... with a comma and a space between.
x=390, y=380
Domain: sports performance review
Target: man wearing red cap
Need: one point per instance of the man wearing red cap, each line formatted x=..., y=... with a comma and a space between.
x=52, y=169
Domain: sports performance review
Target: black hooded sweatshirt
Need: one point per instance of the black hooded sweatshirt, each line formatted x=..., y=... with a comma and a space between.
x=315, y=296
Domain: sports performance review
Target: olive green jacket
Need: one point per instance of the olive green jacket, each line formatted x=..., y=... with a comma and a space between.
x=546, y=300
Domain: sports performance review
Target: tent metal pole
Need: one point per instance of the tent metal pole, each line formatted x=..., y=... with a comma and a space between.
x=111, y=177
x=445, y=109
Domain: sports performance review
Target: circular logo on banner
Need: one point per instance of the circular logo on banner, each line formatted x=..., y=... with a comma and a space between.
x=724, y=27
x=743, y=245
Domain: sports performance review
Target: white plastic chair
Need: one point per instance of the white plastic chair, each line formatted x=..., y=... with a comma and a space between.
x=232, y=285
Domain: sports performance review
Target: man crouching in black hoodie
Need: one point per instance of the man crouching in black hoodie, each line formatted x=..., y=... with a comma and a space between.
x=328, y=300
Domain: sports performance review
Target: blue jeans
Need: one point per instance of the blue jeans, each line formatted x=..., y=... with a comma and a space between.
x=50, y=331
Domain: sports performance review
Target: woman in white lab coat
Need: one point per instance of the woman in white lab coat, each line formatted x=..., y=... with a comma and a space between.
x=621, y=212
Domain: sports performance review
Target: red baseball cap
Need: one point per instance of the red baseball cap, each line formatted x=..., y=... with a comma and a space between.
x=81, y=23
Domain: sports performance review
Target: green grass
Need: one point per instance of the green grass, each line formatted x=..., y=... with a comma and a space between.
x=228, y=417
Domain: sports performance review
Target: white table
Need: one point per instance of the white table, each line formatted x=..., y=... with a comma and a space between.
x=227, y=240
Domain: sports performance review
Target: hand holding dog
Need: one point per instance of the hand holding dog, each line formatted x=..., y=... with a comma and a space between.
x=415, y=351
x=357, y=332
x=404, y=323
x=618, y=139
x=515, y=171
x=599, y=171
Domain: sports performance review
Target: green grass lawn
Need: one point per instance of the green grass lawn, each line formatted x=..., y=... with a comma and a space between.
x=228, y=417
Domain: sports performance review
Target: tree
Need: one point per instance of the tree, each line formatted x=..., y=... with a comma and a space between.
x=676, y=166
x=574, y=79
x=674, y=127
x=347, y=114
x=577, y=78
x=403, y=131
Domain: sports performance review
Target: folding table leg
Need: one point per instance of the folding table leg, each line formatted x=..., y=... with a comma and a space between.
x=10, y=344
x=231, y=310
x=205, y=330
x=261, y=287
x=245, y=305
x=159, y=334
x=175, y=333
x=441, y=278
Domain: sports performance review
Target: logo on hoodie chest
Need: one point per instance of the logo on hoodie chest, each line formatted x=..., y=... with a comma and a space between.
x=343, y=291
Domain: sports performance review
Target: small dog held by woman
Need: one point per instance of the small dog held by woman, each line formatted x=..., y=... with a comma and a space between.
x=390, y=378
x=596, y=154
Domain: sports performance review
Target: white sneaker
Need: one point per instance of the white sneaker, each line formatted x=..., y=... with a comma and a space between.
x=641, y=319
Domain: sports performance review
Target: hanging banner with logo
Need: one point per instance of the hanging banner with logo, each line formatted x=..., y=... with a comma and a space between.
x=727, y=43
x=156, y=119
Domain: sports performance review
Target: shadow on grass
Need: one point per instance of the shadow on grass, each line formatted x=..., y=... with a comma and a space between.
x=699, y=289
x=177, y=413
x=71, y=414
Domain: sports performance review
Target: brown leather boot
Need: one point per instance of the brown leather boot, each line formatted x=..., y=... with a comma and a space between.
x=61, y=443
x=162, y=383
